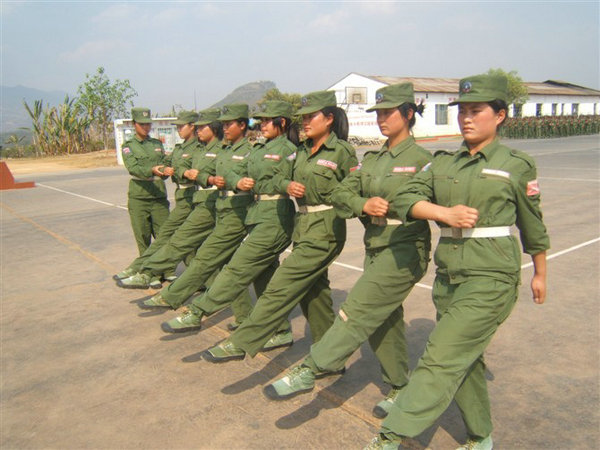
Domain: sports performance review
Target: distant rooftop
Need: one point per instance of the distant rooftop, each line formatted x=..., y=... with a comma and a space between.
x=450, y=85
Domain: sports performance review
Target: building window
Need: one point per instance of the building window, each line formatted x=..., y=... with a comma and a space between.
x=441, y=114
x=517, y=110
x=538, y=110
x=356, y=95
x=554, y=108
x=575, y=109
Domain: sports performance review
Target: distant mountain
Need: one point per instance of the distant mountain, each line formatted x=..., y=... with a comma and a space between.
x=249, y=93
x=12, y=112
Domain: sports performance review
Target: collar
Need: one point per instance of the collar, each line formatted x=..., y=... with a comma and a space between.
x=398, y=148
x=486, y=152
x=242, y=142
x=214, y=144
x=329, y=143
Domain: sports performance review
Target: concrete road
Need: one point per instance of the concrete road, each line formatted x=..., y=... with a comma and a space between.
x=83, y=367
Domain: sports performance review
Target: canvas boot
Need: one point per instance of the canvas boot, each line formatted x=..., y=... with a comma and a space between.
x=382, y=409
x=298, y=380
x=223, y=352
x=137, y=281
x=278, y=340
x=188, y=321
x=478, y=444
x=157, y=301
x=124, y=274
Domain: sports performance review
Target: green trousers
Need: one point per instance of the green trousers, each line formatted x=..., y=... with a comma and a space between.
x=373, y=310
x=255, y=261
x=301, y=278
x=183, y=208
x=147, y=217
x=186, y=240
x=213, y=254
x=452, y=366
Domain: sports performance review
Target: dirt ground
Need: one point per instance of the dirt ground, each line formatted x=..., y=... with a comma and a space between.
x=24, y=166
x=81, y=366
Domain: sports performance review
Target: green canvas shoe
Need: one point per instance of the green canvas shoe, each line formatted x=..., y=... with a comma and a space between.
x=156, y=301
x=232, y=326
x=170, y=278
x=298, y=380
x=155, y=283
x=223, y=352
x=188, y=321
x=137, y=281
x=278, y=340
x=124, y=274
x=382, y=409
x=478, y=444
x=381, y=443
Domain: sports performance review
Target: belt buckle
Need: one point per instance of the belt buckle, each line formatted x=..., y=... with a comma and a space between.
x=379, y=221
x=457, y=233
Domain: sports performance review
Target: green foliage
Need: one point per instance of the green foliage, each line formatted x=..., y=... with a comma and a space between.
x=517, y=91
x=276, y=94
x=103, y=100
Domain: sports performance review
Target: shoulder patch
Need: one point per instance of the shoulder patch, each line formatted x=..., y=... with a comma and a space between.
x=533, y=188
x=126, y=150
x=426, y=167
x=352, y=169
x=291, y=157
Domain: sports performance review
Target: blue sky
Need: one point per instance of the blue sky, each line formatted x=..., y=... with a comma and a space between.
x=169, y=49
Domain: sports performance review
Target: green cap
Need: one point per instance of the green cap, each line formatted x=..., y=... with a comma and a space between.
x=233, y=112
x=393, y=96
x=482, y=88
x=274, y=108
x=316, y=101
x=208, y=116
x=141, y=115
x=185, y=117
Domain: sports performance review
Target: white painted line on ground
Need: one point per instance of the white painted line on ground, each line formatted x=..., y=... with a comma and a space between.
x=562, y=252
x=347, y=266
x=570, y=179
x=82, y=196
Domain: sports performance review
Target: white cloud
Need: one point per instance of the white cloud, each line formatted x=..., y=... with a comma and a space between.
x=118, y=13
x=94, y=50
x=331, y=22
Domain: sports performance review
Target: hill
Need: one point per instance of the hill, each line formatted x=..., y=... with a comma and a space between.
x=249, y=93
x=12, y=112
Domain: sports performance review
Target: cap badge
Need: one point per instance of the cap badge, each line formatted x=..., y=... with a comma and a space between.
x=225, y=109
x=304, y=101
x=466, y=87
x=378, y=97
x=145, y=113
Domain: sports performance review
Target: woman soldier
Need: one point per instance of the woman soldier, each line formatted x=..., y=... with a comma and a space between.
x=478, y=263
x=144, y=159
x=269, y=221
x=323, y=160
x=396, y=257
x=178, y=163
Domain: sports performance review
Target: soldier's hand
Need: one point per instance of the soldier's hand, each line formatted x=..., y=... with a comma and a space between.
x=296, y=189
x=376, y=206
x=245, y=184
x=168, y=171
x=538, y=289
x=461, y=216
x=191, y=174
x=157, y=170
x=219, y=181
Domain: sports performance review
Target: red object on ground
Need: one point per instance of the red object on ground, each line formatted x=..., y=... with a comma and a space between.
x=7, y=181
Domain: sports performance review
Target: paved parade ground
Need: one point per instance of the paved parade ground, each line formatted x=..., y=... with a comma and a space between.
x=83, y=367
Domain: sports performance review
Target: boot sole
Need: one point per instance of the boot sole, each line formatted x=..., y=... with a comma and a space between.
x=147, y=307
x=129, y=286
x=168, y=329
x=379, y=412
x=270, y=392
x=208, y=356
x=268, y=349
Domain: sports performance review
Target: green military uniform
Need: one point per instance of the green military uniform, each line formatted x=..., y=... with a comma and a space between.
x=269, y=221
x=147, y=196
x=318, y=236
x=231, y=208
x=478, y=272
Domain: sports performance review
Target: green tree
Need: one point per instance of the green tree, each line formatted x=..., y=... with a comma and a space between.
x=517, y=91
x=276, y=94
x=103, y=100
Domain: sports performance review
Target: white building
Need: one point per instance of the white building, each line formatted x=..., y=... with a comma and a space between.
x=355, y=93
x=162, y=129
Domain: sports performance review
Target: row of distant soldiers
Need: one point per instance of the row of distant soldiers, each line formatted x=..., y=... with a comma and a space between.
x=549, y=126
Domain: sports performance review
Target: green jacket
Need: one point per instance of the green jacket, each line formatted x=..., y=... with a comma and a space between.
x=501, y=184
x=139, y=157
x=233, y=156
x=264, y=162
x=380, y=174
x=181, y=160
x=320, y=173
x=205, y=161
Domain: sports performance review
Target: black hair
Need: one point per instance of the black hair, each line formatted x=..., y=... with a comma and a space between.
x=407, y=106
x=217, y=129
x=243, y=121
x=499, y=105
x=340, y=121
x=289, y=128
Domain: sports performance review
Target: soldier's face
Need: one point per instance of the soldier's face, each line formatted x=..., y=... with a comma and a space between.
x=316, y=125
x=268, y=130
x=391, y=122
x=142, y=129
x=478, y=123
x=185, y=131
x=233, y=130
x=205, y=134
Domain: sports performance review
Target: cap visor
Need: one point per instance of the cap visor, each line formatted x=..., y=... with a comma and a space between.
x=383, y=105
x=472, y=99
x=307, y=110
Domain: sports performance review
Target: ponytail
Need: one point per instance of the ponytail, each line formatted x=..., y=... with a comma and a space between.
x=340, y=121
x=407, y=106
